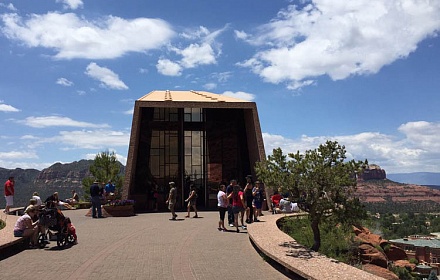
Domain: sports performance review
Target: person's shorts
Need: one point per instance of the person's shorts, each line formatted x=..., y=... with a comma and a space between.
x=171, y=206
x=249, y=203
x=222, y=211
x=9, y=200
x=258, y=204
x=237, y=209
x=192, y=203
x=18, y=233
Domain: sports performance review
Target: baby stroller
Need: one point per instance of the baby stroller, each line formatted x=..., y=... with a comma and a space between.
x=54, y=223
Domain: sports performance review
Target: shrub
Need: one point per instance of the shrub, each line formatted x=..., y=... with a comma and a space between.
x=337, y=241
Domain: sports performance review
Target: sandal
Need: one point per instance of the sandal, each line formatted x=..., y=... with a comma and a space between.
x=186, y=216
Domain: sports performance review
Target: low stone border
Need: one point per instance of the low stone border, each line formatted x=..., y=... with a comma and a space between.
x=7, y=237
x=284, y=250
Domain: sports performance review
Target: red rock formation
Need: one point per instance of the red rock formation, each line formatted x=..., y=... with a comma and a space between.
x=380, y=271
x=372, y=174
x=396, y=254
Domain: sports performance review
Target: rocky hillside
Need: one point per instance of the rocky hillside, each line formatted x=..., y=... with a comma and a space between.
x=389, y=191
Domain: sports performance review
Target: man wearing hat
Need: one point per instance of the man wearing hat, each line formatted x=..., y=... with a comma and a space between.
x=172, y=200
x=96, y=193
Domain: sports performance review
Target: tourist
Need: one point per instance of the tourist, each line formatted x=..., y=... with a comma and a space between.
x=249, y=198
x=192, y=201
x=171, y=201
x=74, y=199
x=24, y=227
x=229, y=190
x=9, y=193
x=54, y=201
x=96, y=194
x=110, y=188
x=258, y=194
x=222, y=203
x=275, y=201
x=285, y=205
x=37, y=198
x=154, y=198
x=237, y=206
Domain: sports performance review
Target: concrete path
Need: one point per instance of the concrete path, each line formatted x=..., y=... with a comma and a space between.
x=146, y=246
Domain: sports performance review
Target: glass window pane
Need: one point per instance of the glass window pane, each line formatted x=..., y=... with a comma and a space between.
x=187, y=146
x=155, y=142
x=197, y=170
x=188, y=163
x=196, y=152
x=196, y=139
x=174, y=159
x=196, y=114
x=154, y=152
x=173, y=169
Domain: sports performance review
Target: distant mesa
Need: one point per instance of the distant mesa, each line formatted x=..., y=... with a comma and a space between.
x=372, y=172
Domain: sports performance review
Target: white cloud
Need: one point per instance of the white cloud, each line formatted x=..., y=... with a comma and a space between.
x=9, y=6
x=71, y=4
x=64, y=82
x=92, y=139
x=119, y=157
x=203, y=52
x=7, y=108
x=18, y=155
x=168, y=68
x=73, y=37
x=143, y=71
x=197, y=54
x=50, y=121
x=240, y=95
x=241, y=35
x=222, y=77
x=210, y=86
x=107, y=77
x=129, y=112
x=417, y=151
x=339, y=39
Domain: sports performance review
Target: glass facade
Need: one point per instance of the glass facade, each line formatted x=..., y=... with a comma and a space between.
x=189, y=146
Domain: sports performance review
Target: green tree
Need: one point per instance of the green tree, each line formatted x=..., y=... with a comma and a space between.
x=105, y=168
x=321, y=180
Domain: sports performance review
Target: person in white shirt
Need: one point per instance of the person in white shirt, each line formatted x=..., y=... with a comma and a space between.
x=37, y=198
x=285, y=205
x=222, y=203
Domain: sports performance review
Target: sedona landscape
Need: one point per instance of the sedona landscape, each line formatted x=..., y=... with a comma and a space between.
x=373, y=188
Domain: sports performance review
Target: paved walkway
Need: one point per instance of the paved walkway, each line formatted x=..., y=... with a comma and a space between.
x=146, y=246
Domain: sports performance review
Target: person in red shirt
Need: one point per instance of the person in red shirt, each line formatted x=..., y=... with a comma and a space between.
x=9, y=194
x=237, y=205
x=275, y=198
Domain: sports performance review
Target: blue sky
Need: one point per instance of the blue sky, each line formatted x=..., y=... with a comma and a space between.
x=365, y=73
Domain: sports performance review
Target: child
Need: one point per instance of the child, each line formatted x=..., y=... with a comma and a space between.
x=71, y=229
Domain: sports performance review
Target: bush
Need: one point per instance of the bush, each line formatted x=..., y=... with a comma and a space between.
x=337, y=241
x=2, y=224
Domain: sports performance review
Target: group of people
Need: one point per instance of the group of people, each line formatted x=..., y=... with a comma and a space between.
x=282, y=203
x=239, y=202
x=191, y=200
x=28, y=225
x=99, y=194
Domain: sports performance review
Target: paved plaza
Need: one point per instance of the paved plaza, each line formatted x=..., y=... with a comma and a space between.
x=145, y=246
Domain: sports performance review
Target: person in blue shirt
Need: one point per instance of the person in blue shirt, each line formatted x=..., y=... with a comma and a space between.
x=109, y=188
